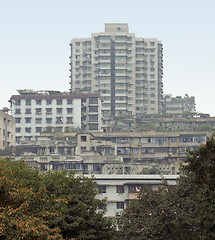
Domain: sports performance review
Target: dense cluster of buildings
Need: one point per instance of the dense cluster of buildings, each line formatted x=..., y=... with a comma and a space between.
x=114, y=122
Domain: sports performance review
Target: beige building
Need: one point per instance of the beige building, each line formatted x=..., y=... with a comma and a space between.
x=126, y=71
x=7, y=130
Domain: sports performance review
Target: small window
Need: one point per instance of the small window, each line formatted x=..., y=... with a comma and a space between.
x=28, y=111
x=69, y=110
x=38, y=120
x=48, y=120
x=120, y=205
x=48, y=102
x=27, y=102
x=27, y=120
x=59, y=110
x=18, y=130
x=102, y=188
x=69, y=101
x=38, y=102
x=59, y=102
x=103, y=206
x=28, y=130
x=18, y=120
x=120, y=189
x=38, y=110
x=93, y=100
x=48, y=110
x=38, y=129
x=17, y=111
x=83, y=138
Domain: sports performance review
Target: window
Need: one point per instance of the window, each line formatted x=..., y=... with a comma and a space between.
x=69, y=110
x=17, y=111
x=28, y=111
x=17, y=102
x=120, y=205
x=28, y=138
x=27, y=120
x=18, y=120
x=18, y=130
x=48, y=110
x=93, y=109
x=102, y=188
x=28, y=130
x=120, y=189
x=59, y=110
x=69, y=120
x=69, y=101
x=48, y=102
x=103, y=206
x=93, y=100
x=38, y=111
x=93, y=126
x=38, y=120
x=38, y=102
x=93, y=118
x=48, y=120
x=83, y=138
x=38, y=129
x=27, y=102
x=59, y=120
x=59, y=102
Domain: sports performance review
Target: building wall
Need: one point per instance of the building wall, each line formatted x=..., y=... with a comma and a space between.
x=7, y=130
x=36, y=112
x=125, y=70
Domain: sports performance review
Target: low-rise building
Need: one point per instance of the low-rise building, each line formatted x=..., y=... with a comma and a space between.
x=120, y=189
x=53, y=111
x=7, y=130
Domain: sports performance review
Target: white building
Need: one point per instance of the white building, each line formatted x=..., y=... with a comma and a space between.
x=7, y=130
x=120, y=189
x=53, y=111
x=126, y=71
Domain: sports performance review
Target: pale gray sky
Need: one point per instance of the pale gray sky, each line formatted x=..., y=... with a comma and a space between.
x=35, y=37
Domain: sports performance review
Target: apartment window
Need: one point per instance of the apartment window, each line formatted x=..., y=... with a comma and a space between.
x=48, y=102
x=120, y=205
x=93, y=109
x=59, y=110
x=93, y=100
x=18, y=130
x=27, y=120
x=59, y=102
x=18, y=139
x=59, y=120
x=38, y=120
x=69, y=110
x=38, y=129
x=17, y=120
x=103, y=206
x=120, y=189
x=28, y=130
x=58, y=129
x=69, y=101
x=27, y=102
x=83, y=138
x=48, y=110
x=93, y=126
x=152, y=44
x=28, y=111
x=17, y=102
x=28, y=138
x=17, y=111
x=38, y=111
x=69, y=119
x=102, y=188
x=38, y=102
x=48, y=120
x=93, y=118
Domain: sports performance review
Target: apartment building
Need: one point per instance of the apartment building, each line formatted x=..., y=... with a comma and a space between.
x=178, y=105
x=7, y=130
x=126, y=71
x=52, y=111
x=120, y=189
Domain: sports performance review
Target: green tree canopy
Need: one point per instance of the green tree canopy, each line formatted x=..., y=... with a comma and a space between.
x=52, y=205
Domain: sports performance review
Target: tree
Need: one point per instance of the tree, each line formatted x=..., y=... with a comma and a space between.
x=52, y=205
x=186, y=211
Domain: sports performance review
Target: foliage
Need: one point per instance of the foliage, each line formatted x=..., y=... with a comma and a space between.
x=52, y=205
x=186, y=211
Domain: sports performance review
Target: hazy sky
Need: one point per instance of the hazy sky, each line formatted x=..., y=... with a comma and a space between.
x=35, y=37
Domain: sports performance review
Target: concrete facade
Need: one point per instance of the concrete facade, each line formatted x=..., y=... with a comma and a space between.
x=7, y=130
x=53, y=111
x=126, y=71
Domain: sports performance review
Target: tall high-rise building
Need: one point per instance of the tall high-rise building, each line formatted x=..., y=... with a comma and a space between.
x=126, y=71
